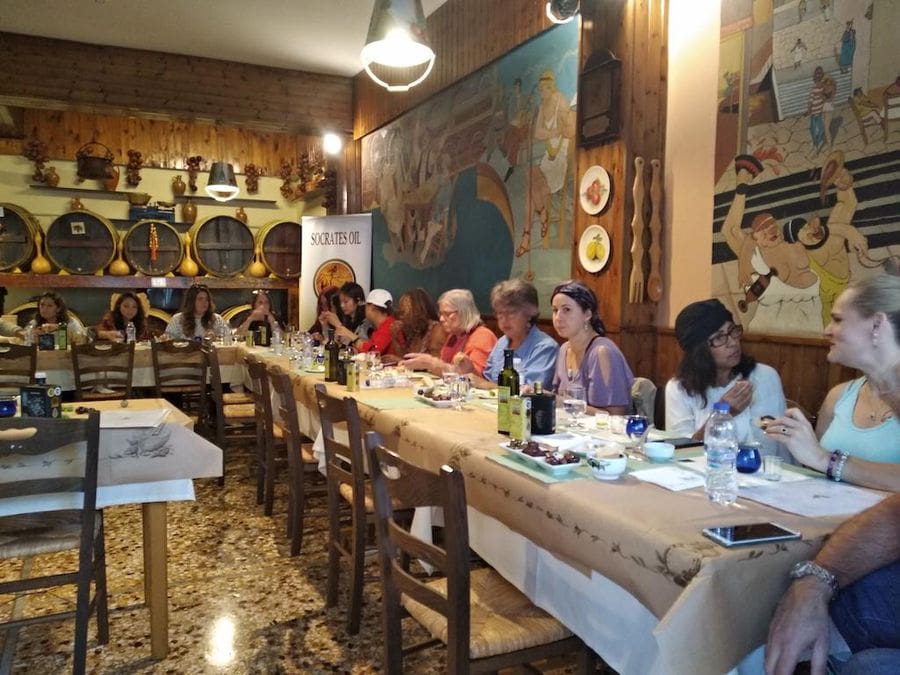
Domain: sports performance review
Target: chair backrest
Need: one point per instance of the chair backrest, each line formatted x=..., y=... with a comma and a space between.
x=179, y=366
x=17, y=366
x=398, y=484
x=214, y=426
x=50, y=457
x=286, y=405
x=643, y=397
x=261, y=393
x=103, y=370
x=344, y=463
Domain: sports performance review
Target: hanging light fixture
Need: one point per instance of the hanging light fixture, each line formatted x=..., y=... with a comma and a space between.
x=562, y=11
x=222, y=185
x=397, y=39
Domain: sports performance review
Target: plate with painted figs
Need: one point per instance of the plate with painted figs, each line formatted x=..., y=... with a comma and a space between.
x=594, y=190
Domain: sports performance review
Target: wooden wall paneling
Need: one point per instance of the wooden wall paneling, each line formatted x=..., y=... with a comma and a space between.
x=38, y=72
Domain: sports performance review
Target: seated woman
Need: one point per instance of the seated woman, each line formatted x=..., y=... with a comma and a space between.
x=713, y=369
x=51, y=312
x=379, y=313
x=857, y=437
x=127, y=307
x=261, y=314
x=515, y=304
x=467, y=337
x=587, y=357
x=417, y=325
x=326, y=302
x=197, y=318
x=352, y=324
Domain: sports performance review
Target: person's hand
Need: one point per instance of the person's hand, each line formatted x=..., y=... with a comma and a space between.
x=47, y=328
x=795, y=432
x=258, y=314
x=800, y=623
x=463, y=364
x=345, y=333
x=419, y=361
x=329, y=318
x=739, y=396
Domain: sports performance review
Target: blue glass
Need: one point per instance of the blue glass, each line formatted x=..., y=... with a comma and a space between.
x=636, y=427
x=7, y=406
x=748, y=459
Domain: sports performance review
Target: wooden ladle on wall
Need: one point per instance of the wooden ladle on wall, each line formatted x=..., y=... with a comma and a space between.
x=654, y=281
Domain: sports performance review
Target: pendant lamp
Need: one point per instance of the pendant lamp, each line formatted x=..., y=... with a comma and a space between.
x=562, y=11
x=222, y=185
x=397, y=39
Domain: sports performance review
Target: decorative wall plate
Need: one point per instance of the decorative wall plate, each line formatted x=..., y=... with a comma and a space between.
x=594, y=190
x=593, y=248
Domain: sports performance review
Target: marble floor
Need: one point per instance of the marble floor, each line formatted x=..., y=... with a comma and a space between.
x=238, y=602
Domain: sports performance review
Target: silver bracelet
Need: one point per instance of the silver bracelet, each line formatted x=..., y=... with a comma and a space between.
x=839, y=466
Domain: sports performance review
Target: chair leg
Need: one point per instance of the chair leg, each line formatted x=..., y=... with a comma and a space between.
x=297, y=513
x=260, y=464
x=100, y=592
x=334, y=554
x=586, y=663
x=270, y=479
x=357, y=566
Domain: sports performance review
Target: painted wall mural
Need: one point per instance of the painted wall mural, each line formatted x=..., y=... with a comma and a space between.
x=807, y=164
x=477, y=184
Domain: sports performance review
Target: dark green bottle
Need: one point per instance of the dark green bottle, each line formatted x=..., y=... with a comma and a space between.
x=331, y=357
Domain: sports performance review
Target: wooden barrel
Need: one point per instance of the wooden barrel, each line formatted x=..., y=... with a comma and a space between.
x=17, y=228
x=279, y=243
x=234, y=316
x=222, y=245
x=169, y=252
x=81, y=242
x=28, y=310
x=158, y=319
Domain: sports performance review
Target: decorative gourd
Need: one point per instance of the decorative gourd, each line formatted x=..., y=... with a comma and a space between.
x=39, y=265
x=188, y=267
x=257, y=268
x=118, y=267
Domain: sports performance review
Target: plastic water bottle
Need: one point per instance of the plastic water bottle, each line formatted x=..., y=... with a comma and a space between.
x=29, y=333
x=130, y=332
x=721, y=445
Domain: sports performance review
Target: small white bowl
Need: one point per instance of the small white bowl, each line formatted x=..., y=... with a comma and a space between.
x=659, y=451
x=607, y=467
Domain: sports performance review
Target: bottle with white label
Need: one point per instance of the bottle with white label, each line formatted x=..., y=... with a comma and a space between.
x=130, y=332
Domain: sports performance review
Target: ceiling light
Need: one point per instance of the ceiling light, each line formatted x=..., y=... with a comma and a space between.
x=222, y=185
x=397, y=39
x=331, y=143
x=562, y=11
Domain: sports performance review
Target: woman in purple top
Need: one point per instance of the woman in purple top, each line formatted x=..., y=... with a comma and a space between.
x=588, y=358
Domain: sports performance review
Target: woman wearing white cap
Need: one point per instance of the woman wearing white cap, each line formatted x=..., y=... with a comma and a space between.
x=379, y=311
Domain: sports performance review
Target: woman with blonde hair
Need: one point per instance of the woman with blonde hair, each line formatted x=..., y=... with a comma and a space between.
x=467, y=337
x=857, y=435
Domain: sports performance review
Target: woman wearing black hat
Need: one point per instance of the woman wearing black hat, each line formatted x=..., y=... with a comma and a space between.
x=713, y=369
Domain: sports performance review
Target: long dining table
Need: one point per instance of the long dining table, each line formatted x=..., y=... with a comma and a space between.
x=622, y=563
x=149, y=455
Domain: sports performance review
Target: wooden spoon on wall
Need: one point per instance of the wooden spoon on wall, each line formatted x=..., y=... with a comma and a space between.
x=654, y=281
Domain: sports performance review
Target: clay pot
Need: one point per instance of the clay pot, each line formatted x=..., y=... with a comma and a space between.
x=189, y=212
x=241, y=215
x=112, y=179
x=178, y=186
x=51, y=178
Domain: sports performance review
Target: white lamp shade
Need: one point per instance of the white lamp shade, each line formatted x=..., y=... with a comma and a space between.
x=222, y=184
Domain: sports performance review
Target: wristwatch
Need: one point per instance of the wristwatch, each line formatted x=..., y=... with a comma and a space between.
x=807, y=568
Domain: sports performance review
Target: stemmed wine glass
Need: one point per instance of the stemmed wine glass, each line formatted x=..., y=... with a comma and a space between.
x=575, y=404
x=459, y=391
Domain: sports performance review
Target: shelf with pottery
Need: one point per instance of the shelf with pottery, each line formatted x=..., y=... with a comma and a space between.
x=31, y=280
x=119, y=194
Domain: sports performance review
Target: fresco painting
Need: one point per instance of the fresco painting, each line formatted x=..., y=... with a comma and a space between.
x=486, y=166
x=807, y=194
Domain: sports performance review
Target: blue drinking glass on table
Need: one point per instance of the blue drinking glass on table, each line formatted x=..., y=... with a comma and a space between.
x=636, y=428
x=748, y=459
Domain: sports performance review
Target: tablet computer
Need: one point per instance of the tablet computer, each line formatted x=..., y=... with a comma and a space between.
x=752, y=533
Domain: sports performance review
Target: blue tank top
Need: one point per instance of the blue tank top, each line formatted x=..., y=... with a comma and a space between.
x=875, y=444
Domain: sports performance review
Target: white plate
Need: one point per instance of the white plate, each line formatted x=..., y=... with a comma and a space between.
x=597, y=177
x=598, y=235
x=314, y=370
x=540, y=463
x=433, y=403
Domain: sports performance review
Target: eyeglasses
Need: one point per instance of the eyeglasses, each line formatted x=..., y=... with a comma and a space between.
x=720, y=339
x=447, y=315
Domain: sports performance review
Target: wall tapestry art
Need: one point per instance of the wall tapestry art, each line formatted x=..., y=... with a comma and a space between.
x=477, y=184
x=807, y=194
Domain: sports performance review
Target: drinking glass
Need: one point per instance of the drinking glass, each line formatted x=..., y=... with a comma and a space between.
x=636, y=428
x=575, y=404
x=459, y=391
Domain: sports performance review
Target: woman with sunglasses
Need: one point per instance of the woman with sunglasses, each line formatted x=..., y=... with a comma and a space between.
x=713, y=369
x=197, y=318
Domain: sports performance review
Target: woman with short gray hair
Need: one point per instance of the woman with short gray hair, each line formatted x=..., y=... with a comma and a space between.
x=467, y=337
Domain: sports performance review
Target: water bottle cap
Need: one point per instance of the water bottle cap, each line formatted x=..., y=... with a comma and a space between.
x=721, y=406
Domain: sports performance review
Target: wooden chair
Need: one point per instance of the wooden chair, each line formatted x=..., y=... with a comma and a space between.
x=56, y=459
x=103, y=370
x=484, y=621
x=226, y=425
x=269, y=436
x=180, y=371
x=17, y=366
x=302, y=463
x=346, y=481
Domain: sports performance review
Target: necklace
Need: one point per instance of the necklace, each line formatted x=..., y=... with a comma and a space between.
x=877, y=413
